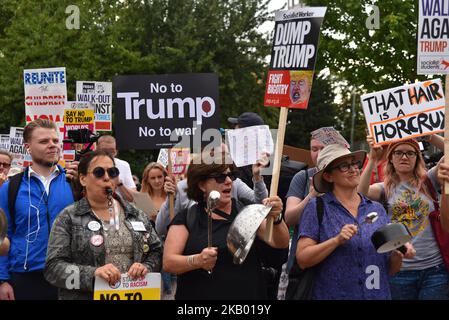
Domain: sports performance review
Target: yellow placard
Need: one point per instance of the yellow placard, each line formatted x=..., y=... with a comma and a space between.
x=83, y=116
x=137, y=294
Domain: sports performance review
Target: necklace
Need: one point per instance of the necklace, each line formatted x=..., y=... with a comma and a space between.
x=114, y=213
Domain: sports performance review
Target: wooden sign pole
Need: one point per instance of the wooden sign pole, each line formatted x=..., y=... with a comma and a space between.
x=446, y=129
x=171, y=196
x=277, y=165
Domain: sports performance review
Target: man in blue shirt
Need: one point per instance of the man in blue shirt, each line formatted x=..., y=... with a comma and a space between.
x=43, y=192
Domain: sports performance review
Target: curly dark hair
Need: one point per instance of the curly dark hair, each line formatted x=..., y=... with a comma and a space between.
x=199, y=170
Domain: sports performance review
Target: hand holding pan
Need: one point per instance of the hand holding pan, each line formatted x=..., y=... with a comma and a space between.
x=390, y=237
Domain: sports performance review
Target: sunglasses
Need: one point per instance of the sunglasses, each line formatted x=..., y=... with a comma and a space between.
x=99, y=172
x=5, y=164
x=221, y=177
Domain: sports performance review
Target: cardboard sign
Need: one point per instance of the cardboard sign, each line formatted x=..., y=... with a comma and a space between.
x=433, y=37
x=127, y=289
x=293, y=57
x=328, y=135
x=100, y=94
x=45, y=95
x=247, y=145
x=158, y=111
x=405, y=112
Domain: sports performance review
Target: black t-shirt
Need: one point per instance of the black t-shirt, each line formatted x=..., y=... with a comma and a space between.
x=227, y=280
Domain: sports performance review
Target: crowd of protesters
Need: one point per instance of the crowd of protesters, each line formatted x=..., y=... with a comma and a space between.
x=84, y=217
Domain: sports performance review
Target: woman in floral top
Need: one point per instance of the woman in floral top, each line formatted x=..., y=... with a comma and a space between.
x=406, y=191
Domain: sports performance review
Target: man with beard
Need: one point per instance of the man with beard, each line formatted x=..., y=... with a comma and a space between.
x=42, y=192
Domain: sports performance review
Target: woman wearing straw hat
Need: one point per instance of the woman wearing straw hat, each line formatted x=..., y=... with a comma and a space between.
x=347, y=264
x=407, y=191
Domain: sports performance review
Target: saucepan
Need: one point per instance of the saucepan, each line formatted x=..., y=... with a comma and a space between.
x=3, y=226
x=390, y=237
x=243, y=230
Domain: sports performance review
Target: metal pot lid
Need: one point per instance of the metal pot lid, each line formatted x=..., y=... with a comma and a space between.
x=3, y=226
x=243, y=230
x=390, y=237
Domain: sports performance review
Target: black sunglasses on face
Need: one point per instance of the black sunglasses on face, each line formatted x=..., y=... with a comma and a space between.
x=5, y=165
x=343, y=167
x=221, y=177
x=99, y=172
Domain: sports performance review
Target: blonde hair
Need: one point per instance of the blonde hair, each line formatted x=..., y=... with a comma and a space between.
x=146, y=186
x=391, y=178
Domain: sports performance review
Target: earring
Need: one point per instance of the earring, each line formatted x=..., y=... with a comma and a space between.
x=83, y=192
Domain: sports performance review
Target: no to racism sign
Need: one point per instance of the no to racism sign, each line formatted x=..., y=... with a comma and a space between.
x=405, y=112
x=293, y=57
x=433, y=37
x=159, y=111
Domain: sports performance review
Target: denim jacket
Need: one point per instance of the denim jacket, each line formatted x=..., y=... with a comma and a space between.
x=71, y=254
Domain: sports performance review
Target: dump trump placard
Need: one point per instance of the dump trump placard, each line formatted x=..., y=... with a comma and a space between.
x=405, y=112
x=293, y=57
x=433, y=37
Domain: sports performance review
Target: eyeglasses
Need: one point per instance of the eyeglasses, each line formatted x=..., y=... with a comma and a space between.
x=5, y=165
x=343, y=167
x=409, y=154
x=99, y=172
x=221, y=177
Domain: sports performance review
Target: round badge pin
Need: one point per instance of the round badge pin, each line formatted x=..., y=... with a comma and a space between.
x=96, y=240
x=146, y=248
x=94, y=225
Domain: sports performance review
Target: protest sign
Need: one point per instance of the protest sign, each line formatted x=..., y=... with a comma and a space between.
x=4, y=141
x=295, y=47
x=328, y=135
x=159, y=111
x=405, y=112
x=247, y=145
x=100, y=94
x=21, y=157
x=45, y=95
x=180, y=158
x=148, y=288
x=433, y=37
x=80, y=115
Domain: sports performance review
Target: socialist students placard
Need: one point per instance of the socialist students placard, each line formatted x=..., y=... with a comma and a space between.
x=433, y=37
x=160, y=111
x=293, y=57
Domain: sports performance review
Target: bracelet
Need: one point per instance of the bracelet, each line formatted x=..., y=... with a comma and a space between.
x=191, y=260
x=278, y=219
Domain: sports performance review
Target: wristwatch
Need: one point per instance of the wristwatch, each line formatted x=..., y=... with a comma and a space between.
x=278, y=219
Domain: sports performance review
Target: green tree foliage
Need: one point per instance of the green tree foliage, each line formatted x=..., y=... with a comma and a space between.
x=136, y=37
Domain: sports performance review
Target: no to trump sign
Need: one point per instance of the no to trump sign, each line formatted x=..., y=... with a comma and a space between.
x=405, y=112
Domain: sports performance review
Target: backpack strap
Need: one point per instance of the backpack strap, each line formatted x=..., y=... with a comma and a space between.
x=13, y=190
x=319, y=209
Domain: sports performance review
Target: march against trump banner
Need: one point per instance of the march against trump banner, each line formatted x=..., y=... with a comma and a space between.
x=405, y=112
x=293, y=57
x=433, y=37
x=160, y=111
x=100, y=94
x=45, y=95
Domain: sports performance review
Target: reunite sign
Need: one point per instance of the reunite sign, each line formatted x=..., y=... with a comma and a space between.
x=405, y=112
